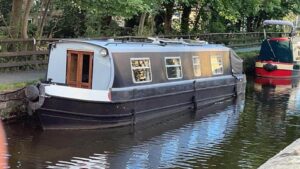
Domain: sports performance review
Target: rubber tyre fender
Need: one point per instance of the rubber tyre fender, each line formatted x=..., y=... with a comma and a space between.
x=269, y=67
x=39, y=101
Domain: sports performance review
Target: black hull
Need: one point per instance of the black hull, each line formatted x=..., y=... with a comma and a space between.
x=62, y=113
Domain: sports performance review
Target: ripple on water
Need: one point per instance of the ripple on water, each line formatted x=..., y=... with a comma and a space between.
x=225, y=138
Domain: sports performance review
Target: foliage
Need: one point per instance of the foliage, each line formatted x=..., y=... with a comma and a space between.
x=72, y=22
x=95, y=18
x=5, y=8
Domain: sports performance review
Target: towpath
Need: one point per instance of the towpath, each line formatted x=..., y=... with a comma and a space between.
x=16, y=77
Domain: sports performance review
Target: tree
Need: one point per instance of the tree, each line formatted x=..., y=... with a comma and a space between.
x=169, y=6
x=44, y=8
x=187, y=6
x=24, y=29
x=19, y=18
x=71, y=23
x=16, y=16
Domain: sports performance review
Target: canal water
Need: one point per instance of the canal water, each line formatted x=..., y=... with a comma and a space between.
x=237, y=133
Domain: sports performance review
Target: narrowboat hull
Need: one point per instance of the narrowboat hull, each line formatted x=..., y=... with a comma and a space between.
x=276, y=69
x=66, y=113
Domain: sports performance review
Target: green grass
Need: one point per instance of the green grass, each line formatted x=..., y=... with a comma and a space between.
x=245, y=55
x=249, y=61
x=15, y=86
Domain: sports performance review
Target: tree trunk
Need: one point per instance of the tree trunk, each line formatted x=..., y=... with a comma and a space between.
x=238, y=25
x=197, y=20
x=45, y=5
x=24, y=29
x=16, y=15
x=185, y=18
x=141, y=24
x=168, y=16
x=250, y=23
x=52, y=29
x=151, y=23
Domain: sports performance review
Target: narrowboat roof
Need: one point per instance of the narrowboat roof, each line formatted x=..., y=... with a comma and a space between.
x=176, y=46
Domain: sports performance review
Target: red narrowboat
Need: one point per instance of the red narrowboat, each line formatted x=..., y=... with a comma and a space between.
x=279, y=57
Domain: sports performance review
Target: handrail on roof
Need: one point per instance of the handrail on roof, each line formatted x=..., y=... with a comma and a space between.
x=144, y=41
x=188, y=42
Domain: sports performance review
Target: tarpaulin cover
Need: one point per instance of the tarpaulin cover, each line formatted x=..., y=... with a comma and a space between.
x=236, y=63
x=278, y=22
x=282, y=51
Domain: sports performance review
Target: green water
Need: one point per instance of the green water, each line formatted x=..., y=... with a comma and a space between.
x=238, y=133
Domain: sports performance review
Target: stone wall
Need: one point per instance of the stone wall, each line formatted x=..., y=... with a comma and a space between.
x=12, y=104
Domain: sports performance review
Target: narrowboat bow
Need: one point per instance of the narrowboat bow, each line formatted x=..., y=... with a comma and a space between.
x=279, y=57
x=99, y=84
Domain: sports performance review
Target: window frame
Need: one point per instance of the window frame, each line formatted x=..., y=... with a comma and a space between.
x=167, y=66
x=198, y=64
x=298, y=54
x=133, y=68
x=217, y=56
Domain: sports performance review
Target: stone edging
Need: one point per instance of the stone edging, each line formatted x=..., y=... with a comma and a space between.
x=288, y=158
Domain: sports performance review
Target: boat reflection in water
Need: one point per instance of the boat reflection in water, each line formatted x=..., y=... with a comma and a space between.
x=294, y=101
x=276, y=85
x=181, y=142
x=283, y=97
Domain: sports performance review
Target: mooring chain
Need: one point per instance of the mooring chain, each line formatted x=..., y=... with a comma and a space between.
x=4, y=95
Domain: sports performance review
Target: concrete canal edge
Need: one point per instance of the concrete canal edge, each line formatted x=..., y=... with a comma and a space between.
x=288, y=158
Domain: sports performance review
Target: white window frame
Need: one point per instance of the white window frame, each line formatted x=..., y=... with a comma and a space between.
x=196, y=64
x=222, y=58
x=167, y=66
x=298, y=54
x=134, y=68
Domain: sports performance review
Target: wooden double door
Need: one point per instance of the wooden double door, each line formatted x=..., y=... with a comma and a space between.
x=79, y=69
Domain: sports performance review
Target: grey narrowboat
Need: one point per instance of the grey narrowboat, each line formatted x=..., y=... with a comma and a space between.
x=108, y=83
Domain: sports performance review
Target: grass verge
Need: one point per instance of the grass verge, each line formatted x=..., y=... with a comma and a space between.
x=249, y=61
x=15, y=86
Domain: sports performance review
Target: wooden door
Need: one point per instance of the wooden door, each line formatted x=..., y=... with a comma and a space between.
x=79, y=69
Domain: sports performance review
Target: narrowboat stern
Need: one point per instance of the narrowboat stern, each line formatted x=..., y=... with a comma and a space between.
x=279, y=57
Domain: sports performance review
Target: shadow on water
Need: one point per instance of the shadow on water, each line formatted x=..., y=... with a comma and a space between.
x=173, y=143
x=238, y=133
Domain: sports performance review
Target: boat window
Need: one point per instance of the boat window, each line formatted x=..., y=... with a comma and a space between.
x=197, y=66
x=217, y=64
x=141, y=70
x=298, y=54
x=85, y=68
x=173, y=67
x=73, y=66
